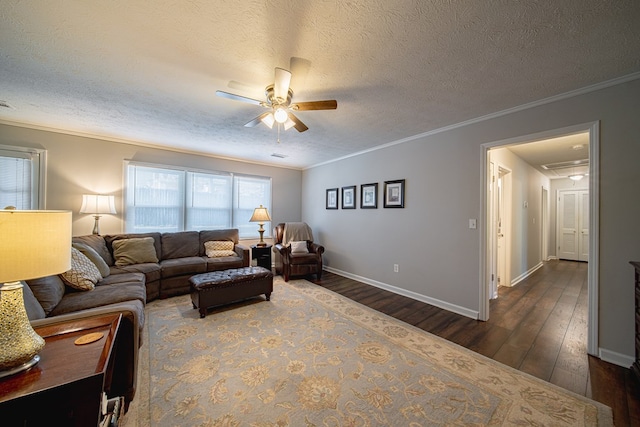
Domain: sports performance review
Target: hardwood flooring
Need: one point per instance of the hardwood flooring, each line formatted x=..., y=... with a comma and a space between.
x=538, y=326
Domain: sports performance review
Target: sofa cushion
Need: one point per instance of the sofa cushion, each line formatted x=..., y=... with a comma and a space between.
x=101, y=296
x=98, y=244
x=137, y=250
x=231, y=235
x=224, y=263
x=180, y=244
x=95, y=258
x=151, y=270
x=48, y=291
x=183, y=266
x=83, y=274
x=31, y=305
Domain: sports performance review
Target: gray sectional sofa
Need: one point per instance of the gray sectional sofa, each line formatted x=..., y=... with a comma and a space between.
x=131, y=277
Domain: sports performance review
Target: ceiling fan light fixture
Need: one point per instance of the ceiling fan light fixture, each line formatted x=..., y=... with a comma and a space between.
x=280, y=115
x=288, y=124
x=576, y=177
x=268, y=120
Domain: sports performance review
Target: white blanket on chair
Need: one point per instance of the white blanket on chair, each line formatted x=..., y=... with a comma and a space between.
x=296, y=232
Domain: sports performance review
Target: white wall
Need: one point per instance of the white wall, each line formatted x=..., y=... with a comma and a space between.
x=526, y=234
x=79, y=165
x=438, y=255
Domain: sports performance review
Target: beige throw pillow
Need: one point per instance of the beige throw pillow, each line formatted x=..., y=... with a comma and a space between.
x=299, y=247
x=137, y=250
x=83, y=274
x=219, y=248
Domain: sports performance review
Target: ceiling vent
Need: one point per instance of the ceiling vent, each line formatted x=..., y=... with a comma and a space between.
x=5, y=104
x=279, y=156
x=566, y=165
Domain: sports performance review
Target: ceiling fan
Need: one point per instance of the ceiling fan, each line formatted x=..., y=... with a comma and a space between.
x=278, y=101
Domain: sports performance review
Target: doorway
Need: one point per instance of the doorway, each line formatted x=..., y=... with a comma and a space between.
x=500, y=227
x=592, y=202
x=573, y=225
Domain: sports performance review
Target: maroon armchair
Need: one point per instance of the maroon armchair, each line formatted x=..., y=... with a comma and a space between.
x=295, y=262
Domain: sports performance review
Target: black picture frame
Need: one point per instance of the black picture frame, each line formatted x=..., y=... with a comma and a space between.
x=349, y=197
x=394, y=194
x=332, y=198
x=369, y=196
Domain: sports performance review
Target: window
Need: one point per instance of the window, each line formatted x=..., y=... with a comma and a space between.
x=171, y=199
x=20, y=177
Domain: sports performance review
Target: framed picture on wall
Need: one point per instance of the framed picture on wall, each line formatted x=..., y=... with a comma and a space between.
x=349, y=197
x=332, y=198
x=369, y=196
x=394, y=194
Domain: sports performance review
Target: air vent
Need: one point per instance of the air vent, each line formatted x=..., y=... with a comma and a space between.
x=5, y=104
x=279, y=156
x=565, y=165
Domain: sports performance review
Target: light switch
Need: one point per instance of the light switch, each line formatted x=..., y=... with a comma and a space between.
x=472, y=223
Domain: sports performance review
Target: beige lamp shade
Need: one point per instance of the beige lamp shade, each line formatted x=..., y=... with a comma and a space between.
x=260, y=214
x=98, y=204
x=34, y=244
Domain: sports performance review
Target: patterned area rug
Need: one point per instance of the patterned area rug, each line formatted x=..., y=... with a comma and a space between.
x=310, y=357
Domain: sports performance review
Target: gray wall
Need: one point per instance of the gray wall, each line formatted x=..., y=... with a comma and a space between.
x=438, y=255
x=79, y=165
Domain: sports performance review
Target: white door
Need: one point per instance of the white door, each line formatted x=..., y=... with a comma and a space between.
x=573, y=225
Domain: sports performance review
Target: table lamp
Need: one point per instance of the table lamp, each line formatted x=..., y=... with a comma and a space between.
x=260, y=215
x=97, y=204
x=32, y=244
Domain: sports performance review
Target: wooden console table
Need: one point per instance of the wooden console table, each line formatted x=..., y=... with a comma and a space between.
x=65, y=387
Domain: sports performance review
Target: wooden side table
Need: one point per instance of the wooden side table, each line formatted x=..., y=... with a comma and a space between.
x=66, y=386
x=263, y=255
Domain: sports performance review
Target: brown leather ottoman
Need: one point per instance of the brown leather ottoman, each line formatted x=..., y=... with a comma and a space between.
x=222, y=287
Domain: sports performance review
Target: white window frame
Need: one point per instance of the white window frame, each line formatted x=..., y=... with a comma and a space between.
x=188, y=198
x=38, y=159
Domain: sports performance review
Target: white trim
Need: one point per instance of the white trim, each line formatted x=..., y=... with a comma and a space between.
x=616, y=358
x=463, y=311
x=526, y=274
x=593, y=285
x=594, y=221
x=554, y=98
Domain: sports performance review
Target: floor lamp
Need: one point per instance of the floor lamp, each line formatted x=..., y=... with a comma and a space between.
x=32, y=244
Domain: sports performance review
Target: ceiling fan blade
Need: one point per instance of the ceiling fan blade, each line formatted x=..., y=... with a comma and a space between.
x=257, y=120
x=281, y=83
x=315, y=105
x=238, y=97
x=300, y=127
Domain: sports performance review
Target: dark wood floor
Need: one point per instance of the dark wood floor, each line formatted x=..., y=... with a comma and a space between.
x=538, y=326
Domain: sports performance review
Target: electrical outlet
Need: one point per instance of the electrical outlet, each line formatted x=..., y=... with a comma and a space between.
x=395, y=268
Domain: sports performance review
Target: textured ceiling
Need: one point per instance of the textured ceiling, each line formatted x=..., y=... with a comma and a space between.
x=147, y=72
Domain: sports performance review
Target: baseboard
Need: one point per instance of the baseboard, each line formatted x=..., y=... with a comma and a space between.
x=616, y=358
x=526, y=274
x=463, y=311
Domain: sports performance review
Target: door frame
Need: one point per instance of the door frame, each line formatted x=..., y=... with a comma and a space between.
x=594, y=220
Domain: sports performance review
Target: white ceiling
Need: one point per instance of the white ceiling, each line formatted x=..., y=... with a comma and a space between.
x=147, y=72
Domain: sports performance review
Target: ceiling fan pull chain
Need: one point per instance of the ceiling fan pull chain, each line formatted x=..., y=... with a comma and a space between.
x=278, y=133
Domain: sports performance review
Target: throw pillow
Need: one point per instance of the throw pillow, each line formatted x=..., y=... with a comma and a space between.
x=137, y=250
x=95, y=258
x=83, y=274
x=31, y=305
x=219, y=248
x=48, y=291
x=299, y=247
